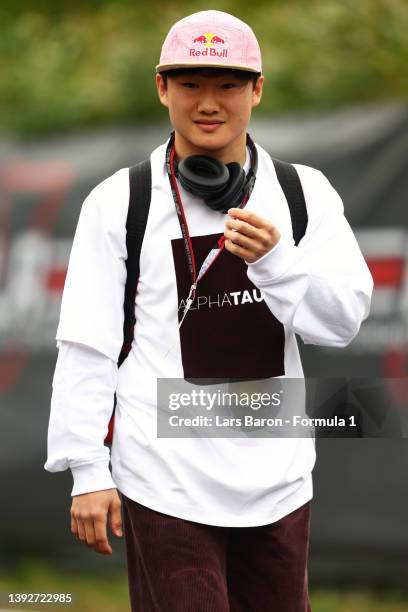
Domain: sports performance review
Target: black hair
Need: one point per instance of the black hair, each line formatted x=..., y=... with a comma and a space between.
x=243, y=75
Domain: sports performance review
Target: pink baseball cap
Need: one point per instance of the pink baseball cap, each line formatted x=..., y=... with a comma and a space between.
x=210, y=39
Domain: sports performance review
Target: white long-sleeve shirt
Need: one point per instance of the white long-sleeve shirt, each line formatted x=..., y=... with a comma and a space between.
x=243, y=323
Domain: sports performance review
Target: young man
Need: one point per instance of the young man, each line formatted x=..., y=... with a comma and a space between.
x=211, y=524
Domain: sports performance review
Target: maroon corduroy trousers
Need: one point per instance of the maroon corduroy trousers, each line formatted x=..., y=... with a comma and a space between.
x=175, y=565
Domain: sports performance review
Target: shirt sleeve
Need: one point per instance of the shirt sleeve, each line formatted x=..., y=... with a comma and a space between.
x=82, y=398
x=320, y=289
x=89, y=337
x=93, y=295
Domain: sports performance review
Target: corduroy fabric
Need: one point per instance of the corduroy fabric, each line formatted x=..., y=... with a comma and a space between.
x=175, y=565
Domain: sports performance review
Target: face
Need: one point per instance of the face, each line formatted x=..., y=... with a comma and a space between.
x=210, y=114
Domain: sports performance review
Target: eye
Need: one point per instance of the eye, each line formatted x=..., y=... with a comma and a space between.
x=229, y=85
x=189, y=84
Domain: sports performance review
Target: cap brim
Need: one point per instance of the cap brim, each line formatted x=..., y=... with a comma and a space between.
x=163, y=67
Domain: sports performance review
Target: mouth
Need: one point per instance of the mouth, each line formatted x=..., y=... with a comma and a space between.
x=208, y=125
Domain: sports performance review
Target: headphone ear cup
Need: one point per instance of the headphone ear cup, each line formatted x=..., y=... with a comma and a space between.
x=202, y=175
x=234, y=191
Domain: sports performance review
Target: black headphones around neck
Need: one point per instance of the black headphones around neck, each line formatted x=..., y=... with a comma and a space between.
x=222, y=186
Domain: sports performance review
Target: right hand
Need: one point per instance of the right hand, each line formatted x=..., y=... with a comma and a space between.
x=89, y=518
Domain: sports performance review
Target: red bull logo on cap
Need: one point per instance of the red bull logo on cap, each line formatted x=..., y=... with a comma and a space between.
x=210, y=41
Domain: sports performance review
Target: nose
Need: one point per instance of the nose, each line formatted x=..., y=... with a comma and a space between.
x=207, y=103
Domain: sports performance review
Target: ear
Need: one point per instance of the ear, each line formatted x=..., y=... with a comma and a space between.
x=257, y=91
x=162, y=90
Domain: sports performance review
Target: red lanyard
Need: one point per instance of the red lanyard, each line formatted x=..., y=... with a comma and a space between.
x=217, y=249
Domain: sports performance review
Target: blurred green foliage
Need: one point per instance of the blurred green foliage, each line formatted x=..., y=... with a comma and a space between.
x=110, y=594
x=69, y=64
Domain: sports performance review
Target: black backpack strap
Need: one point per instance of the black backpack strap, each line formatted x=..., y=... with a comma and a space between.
x=292, y=188
x=140, y=190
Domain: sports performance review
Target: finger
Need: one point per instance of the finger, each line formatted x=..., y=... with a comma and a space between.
x=81, y=530
x=74, y=527
x=247, y=243
x=250, y=217
x=242, y=227
x=235, y=249
x=116, y=518
x=90, y=532
x=101, y=539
